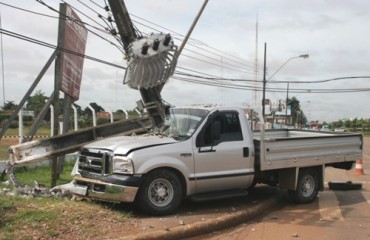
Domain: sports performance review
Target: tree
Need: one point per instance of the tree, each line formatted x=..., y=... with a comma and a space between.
x=338, y=124
x=348, y=123
x=297, y=113
x=9, y=105
x=36, y=102
x=95, y=106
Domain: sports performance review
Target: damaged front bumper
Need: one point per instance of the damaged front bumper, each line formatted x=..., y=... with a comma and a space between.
x=103, y=190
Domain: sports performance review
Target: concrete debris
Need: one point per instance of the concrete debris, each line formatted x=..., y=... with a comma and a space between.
x=6, y=183
x=295, y=235
x=38, y=190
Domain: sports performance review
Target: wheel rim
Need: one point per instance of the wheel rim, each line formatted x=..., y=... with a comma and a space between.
x=160, y=192
x=308, y=186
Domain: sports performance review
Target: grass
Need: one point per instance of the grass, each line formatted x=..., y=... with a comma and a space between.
x=47, y=217
x=42, y=174
x=33, y=211
x=15, y=131
x=4, y=151
x=5, y=143
x=20, y=214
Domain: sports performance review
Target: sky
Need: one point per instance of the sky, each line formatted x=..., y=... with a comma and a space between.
x=223, y=45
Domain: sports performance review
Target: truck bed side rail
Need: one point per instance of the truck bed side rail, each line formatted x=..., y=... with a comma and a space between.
x=321, y=149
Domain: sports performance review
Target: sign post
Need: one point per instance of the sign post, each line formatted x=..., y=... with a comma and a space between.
x=72, y=36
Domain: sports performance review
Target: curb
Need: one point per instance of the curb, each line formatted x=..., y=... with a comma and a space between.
x=208, y=226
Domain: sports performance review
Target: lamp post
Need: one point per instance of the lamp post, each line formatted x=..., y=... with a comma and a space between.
x=265, y=81
x=290, y=59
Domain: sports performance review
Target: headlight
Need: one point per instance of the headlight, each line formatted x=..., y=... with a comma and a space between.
x=122, y=165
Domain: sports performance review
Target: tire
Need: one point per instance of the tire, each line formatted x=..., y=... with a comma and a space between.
x=307, y=187
x=160, y=194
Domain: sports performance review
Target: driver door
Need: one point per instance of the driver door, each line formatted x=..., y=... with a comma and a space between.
x=222, y=160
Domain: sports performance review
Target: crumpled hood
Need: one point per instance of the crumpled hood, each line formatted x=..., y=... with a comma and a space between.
x=125, y=144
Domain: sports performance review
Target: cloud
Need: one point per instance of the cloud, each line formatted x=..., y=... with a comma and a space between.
x=334, y=35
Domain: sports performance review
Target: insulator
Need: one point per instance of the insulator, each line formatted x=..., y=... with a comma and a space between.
x=156, y=44
x=167, y=40
x=144, y=49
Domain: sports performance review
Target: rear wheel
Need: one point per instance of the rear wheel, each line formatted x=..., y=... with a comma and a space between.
x=307, y=187
x=160, y=194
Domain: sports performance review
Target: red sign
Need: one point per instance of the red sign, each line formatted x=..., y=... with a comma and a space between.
x=74, y=40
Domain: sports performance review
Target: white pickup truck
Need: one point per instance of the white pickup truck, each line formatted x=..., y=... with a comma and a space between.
x=207, y=153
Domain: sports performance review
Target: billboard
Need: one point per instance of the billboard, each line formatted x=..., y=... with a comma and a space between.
x=73, y=40
x=278, y=107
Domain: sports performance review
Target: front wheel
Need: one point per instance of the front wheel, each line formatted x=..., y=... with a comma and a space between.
x=160, y=194
x=307, y=187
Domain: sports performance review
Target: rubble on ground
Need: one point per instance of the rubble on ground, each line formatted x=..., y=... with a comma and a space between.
x=38, y=190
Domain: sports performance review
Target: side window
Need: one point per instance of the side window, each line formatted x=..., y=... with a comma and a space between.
x=230, y=129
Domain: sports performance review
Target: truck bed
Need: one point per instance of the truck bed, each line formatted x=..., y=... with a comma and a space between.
x=285, y=148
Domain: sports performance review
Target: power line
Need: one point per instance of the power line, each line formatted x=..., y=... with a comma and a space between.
x=110, y=29
x=64, y=18
x=41, y=43
x=210, y=77
x=215, y=64
x=250, y=87
x=193, y=44
x=196, y=42
x=97, y=4
x=214, y=59
x=81, y=23
x=279, y=82
x=29, y=11
x=204, y=82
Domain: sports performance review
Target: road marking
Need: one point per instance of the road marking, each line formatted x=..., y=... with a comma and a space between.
x=329, y=207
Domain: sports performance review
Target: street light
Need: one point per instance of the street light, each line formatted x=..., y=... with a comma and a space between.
x=300, y=56
x=264, y=76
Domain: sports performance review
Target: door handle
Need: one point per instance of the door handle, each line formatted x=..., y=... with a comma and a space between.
x=246, y=152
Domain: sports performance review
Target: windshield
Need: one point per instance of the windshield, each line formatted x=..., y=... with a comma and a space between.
x=181, y=123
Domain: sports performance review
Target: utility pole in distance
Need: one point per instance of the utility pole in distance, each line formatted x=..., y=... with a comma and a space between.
x=264, y=84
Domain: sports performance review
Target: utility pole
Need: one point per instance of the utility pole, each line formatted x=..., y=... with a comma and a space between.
x=286, y=104
x=264, y=84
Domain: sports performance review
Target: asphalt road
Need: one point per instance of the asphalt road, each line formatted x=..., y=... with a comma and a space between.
x=338, y=215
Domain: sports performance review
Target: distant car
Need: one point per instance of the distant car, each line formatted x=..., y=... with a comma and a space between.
x=342, y=129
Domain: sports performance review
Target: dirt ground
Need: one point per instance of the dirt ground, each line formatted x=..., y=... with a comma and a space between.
x=94, y=220
x=5, y=143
